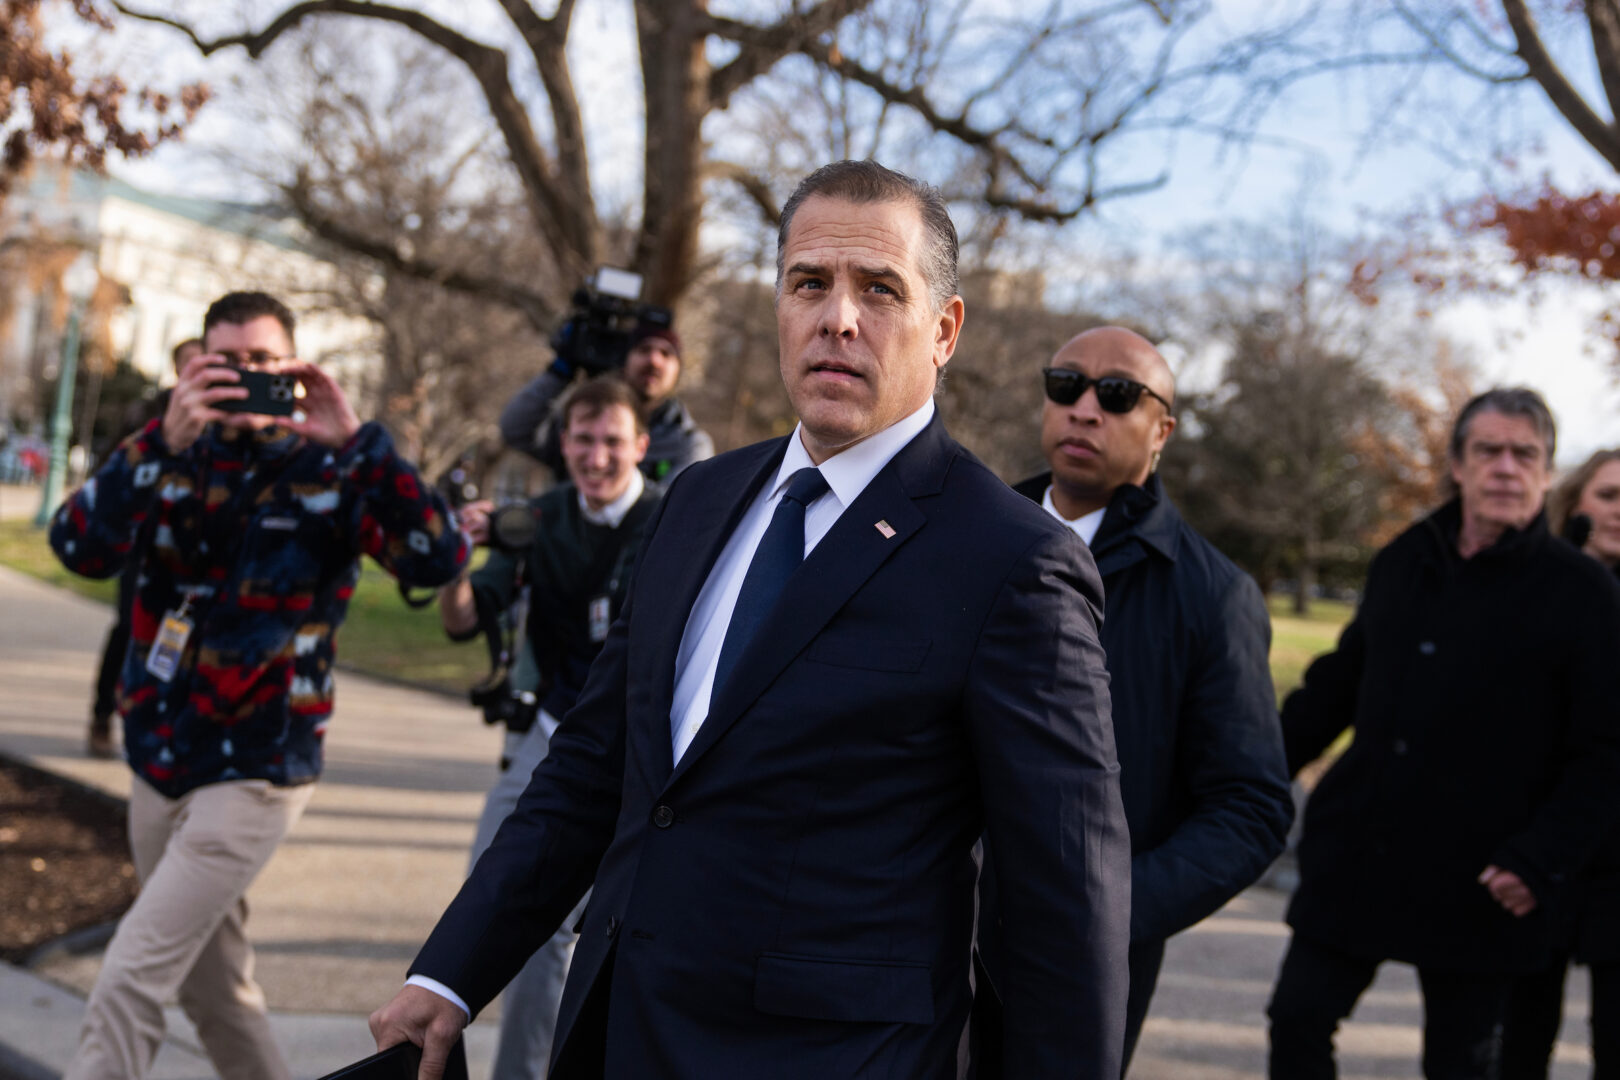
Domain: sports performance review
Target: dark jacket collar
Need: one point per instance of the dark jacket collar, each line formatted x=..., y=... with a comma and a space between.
x=1142, y=513
x=841, y=562
x=1513, y=547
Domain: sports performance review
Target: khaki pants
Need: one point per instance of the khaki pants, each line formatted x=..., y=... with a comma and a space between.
x=195, y=857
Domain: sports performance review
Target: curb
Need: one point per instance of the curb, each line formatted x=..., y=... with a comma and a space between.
x=116, y=802
x=86, y=939
x=15, y=1065
x=74, y=942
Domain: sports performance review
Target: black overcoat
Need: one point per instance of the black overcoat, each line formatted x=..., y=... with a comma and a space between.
x=1597, y=939
x=1188, y=638
x=1483, y=697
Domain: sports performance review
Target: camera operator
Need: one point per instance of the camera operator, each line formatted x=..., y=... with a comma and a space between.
x=652, y=366
x=577, y=565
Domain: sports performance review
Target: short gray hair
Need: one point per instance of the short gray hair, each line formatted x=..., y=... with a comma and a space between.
x=868, y=182
x=1506, y=401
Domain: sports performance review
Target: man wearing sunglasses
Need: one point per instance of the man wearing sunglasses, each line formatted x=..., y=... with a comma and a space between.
x=1187, y=635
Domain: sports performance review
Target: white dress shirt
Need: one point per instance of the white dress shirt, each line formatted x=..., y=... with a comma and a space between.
x=1085, y=526
x=613, y=513
x=847, y=473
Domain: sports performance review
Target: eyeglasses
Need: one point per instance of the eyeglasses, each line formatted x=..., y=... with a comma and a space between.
x=257, y=358
x=1115, y=393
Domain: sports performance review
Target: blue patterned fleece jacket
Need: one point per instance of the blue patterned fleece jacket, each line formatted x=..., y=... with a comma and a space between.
x=263, y=530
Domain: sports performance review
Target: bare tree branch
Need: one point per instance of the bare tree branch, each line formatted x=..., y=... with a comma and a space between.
x=1438, y=42
x=556, y=215
x=1604, y=18
x=756, y=187
x=329, y=228
x=764, y=46
x=958, y=127
x=547, y=40
x=1565, y=98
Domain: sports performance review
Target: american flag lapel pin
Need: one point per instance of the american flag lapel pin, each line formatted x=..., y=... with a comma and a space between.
x=886, y=529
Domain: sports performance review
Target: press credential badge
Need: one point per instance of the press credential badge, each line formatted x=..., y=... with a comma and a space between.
x=164, y=659
x=600, y=620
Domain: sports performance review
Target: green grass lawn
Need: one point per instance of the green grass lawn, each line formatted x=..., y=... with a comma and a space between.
x=381, y=636
x=1296, y=641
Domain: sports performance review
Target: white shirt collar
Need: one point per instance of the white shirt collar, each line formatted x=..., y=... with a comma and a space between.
x=613, y=513
x=849, y=471
x=1085, y=526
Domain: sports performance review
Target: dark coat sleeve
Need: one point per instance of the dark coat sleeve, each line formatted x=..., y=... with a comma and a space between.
x=1038, y=714
x=527, y=424
x=1324, y=705
x=545, y=855
x=1231, y=767
x=1573, y=821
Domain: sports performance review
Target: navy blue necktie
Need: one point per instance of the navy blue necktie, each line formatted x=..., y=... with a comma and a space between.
x=780, y=552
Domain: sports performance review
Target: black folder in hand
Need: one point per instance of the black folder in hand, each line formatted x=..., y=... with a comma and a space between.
x=400, y=1062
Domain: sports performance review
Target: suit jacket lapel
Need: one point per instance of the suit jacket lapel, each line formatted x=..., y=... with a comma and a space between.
x=704, y=524
x=846, y=557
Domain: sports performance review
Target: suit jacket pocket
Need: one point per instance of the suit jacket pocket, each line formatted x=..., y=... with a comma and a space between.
x=869, y=654
x=859, y=991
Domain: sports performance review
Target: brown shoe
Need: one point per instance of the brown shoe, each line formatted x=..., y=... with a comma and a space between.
x=99, y=743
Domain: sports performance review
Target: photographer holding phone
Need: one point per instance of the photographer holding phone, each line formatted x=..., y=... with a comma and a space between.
x=246, y=530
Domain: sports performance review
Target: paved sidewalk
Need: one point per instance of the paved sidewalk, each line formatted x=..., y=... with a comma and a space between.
x=341, y=909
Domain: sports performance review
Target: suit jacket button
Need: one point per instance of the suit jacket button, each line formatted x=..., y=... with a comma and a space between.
x=612, y=926
x=663, y=817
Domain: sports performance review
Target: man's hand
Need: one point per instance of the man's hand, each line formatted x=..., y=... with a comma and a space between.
x=205, y=381
x=474, y=518
x=1509, y=890
x=417, y=1015
x=328, y=417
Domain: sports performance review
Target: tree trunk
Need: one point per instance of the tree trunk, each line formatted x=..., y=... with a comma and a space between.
x=1306, y=575
x=676, y=76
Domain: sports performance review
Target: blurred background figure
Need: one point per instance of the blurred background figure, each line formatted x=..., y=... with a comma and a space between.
x=1186, y=634
x=646, y=354
x=572, y=551
x=1585, y=510
x=1480, y=678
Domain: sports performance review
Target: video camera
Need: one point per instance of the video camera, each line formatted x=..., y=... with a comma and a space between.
x=595, y=337
x=512, y=529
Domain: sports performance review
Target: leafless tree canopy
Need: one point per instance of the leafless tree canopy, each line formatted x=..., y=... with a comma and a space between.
x=1404, y=58
x=1029, y=114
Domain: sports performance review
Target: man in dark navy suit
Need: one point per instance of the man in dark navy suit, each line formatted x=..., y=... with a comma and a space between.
x=845, y=654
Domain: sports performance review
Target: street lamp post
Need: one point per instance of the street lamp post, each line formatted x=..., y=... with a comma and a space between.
x=78, y=282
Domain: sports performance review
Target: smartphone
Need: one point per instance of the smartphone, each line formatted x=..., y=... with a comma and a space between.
x=268, y=394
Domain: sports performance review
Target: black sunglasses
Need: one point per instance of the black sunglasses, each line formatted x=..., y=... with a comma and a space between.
x=1115, y=393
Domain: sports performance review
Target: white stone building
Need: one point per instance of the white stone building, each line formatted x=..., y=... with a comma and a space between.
x=174, y=255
